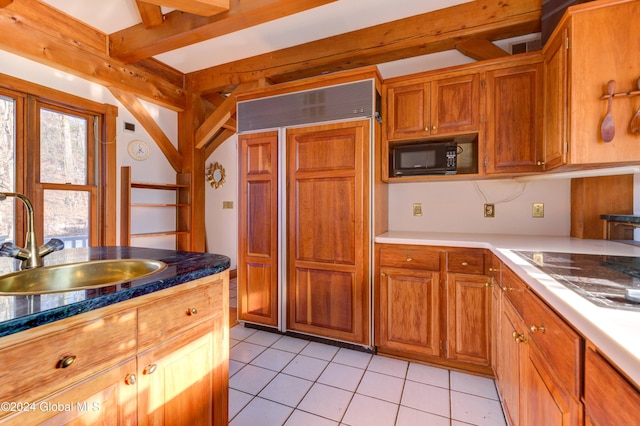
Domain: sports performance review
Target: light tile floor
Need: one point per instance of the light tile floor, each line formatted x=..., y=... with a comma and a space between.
x=280, y=380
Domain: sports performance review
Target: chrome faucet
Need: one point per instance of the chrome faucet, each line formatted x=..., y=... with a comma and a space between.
x=31, y=255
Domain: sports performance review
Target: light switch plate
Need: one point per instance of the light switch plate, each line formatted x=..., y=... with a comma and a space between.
x=417, y=209
x=227, y=204
x=537, y=210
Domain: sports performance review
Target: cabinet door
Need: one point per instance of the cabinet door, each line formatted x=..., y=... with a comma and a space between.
x=455, y=105
x=408, y=111
x=176, y=381
x=511, y=353
x=258, y=229
x=408, y=319
x=108, y=398
x=555, y=101
x=328, y=243
x=468, y=318
x=544, y=401
x=514, y=101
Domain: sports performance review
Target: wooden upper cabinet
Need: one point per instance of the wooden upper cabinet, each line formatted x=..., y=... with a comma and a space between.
x=555, y=93
x=514, y=105
x=594, y=58
x=429, y=108
x=258, y=228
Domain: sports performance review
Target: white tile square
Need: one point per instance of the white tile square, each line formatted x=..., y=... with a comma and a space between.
x=287, y=390
x=273, y=359
x=475, y=385
x=381, y=386
x=428, y=375
x=326, y=401
x=235, y=366
x=389, y=366
x=290, y=344
x=367, y=411
x=233, y=342
x=412, y=417
x=240, y=332
x=263, y=338
x=352, y=358
x=237, y=401
x=305, y=367
x=476, y=410
x=341, y=376
x=301, y=418
x=431, y=399
x=245, y=352
x=251, y=379
x=320, y=350
x=262, y=412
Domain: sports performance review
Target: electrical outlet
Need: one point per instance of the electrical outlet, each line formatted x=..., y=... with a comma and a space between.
x=537, y=210
x=417, y=209
x=489, y=210
x=227, y=204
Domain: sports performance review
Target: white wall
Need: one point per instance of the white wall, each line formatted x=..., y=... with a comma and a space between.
x=222, y=224
x=459, y=207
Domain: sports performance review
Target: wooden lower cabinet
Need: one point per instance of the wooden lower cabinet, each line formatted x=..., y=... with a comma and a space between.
x=409, y=311
x=469, y=318
x=510, y=361
x=609, y=398
x=176, y=371
x=427, y=309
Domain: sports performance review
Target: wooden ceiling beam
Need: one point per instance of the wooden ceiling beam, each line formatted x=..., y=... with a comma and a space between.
x=197, y=7
x=135, y=107
x=151, y=14
x=4, y=3
x=414, y=36
x=181, y=29
x=480, y=49
x=48, y=36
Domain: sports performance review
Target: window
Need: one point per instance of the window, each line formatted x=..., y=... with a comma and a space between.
x=54, y=149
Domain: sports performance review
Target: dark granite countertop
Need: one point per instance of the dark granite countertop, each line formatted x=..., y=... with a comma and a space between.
x=18, y=313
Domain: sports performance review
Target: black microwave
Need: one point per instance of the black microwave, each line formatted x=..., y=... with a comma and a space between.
x=424, y=158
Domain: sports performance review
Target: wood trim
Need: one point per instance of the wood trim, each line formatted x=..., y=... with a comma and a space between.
x=197, y=7
x=151, y=14
x=417, y=35
x=76, y=48
x=135, y=107
x=180, y=29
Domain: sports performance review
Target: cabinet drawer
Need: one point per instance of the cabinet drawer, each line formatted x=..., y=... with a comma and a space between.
x=410, y=257
x=557, y=342
x=34, y=369
x=466, y=262
x=513, y=289
x=172, y=315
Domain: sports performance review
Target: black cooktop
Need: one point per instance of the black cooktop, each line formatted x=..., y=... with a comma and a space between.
x=602, y=279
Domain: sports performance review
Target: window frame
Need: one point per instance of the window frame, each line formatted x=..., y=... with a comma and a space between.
x=30, y=97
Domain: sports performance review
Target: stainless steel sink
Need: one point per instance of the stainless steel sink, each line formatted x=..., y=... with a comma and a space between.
x=78, y=276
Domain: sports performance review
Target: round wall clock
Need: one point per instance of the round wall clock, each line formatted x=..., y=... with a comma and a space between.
x=138, y=150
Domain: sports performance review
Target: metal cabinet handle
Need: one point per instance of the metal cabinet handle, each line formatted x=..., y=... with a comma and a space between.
x=434, y=127
x=192, y=311
x=519, y=337
x=465, y=264
x=488, y=284
x=130, y=379
x=409, y=259
x=535, y=328
x=150, y=369
x=66, y=361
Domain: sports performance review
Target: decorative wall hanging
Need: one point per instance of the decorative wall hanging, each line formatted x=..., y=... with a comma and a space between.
x=215, y=175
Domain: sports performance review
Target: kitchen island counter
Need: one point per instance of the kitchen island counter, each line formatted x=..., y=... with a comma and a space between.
x=19, y=313
x=613, y=331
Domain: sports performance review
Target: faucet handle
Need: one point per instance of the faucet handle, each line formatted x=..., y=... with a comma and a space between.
x=53, y=244
x=9, y=249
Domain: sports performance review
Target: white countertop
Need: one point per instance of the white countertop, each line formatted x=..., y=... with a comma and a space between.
x=615, y=332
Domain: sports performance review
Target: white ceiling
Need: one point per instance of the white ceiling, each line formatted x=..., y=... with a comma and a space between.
x=331, y=19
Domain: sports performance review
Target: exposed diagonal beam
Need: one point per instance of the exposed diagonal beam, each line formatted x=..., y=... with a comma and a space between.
x=4, y=3
x=414, y=36
x=198, y=7
x=181, y=29
x=220, y=116
x=151, y=14
x=480, y=49
x=135, y=107
x=48, y=36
